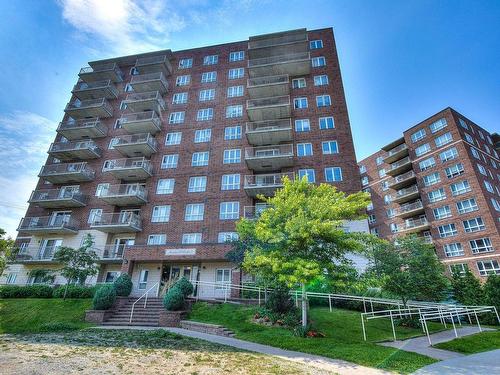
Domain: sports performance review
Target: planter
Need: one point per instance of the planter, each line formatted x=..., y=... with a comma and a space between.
x=171, y=318
x=97, y=316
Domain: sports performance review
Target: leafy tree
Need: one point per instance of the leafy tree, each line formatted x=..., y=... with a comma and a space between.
x=301, y=234
x=7, y=250
x=411, y=269
x=43, y=275
x=467, y=288
x=78, y=264
x=492, y=291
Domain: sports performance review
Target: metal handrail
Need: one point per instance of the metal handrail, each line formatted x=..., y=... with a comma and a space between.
x=155, y=285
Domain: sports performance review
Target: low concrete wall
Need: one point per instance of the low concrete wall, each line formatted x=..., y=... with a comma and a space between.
x=171, y=318
x=97, y=316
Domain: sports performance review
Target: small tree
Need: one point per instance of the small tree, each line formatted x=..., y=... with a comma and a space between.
x=467, y=288
x=78, y=264
x=492, y=291
x=7, y=250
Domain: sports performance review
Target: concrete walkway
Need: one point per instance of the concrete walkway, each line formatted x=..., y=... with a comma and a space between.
x=421, y=344
x=486, y=363
x=335, y=365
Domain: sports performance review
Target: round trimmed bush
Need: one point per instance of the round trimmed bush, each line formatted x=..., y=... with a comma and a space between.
x=174, y=299
x=104, y=297
x=123, y=285
x=184, y=286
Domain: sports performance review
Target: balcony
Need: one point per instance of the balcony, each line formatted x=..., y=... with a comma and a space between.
x=407, y=194
x=101, y=72
x=143, y=122
x=111, y=253
x=399, y=167
x=293, y=64
x=414, y=226
x=42, y=254
x=58, y=198
x=49, y=225
x=81, y=150
x=67, y=173
x=149, y=82
x=89, y=108
x=269, y=132
x=294, y=41
x=264, y=184
x=132, y=169
x=124, y=195
x=403, y=180
x=264, y=87
x=269, y=108
x=87, y=128
x=95, y=90
x=145, y=101
x=134, y=145
x=269, y=158
x=154, y=64
x=253, y=212
x=124, y=222
x=396, y=153
x=410, y=209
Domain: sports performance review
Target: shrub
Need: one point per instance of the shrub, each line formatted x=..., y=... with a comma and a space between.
x=59, y=326
x=184, y=286
x=174, y=299
x=104, y=297
x=75, y=291
x=301, y=331
x=280, y=301
x=123, y=285
x=408, y=322
x=26, y=291
x=492, y=297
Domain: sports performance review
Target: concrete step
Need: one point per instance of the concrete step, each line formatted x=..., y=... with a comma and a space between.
x=213, y=329
x=126, y=323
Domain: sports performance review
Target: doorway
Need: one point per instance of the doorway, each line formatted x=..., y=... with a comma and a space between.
x=172, y=272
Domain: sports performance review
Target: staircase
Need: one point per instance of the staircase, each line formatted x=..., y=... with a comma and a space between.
x=148, y=316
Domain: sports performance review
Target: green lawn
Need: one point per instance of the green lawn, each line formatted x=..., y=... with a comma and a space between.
x=29, y=315
x=480, y=342
x=343, y=332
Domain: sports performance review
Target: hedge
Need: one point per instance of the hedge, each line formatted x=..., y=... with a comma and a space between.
x=26, y=291
x=75, y=291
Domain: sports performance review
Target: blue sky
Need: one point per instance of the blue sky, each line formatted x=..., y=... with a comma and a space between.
x=401, y=62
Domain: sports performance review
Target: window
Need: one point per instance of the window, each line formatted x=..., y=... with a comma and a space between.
x=447, y=230
x=318, y=61
x=390, y=213
x=11, y=278
x=418, y=135
x=459, y=188
x=205, y=114
x=200, y=159
x=202, y=135
x=488, y=267
x=208, y=77
x=161, y=214
x=442, y=212
x=300, y=103
x=234, y=91
x=230, y=182
x=128, y=88
x=309, y=173
x=374, y=231
x=173, y=139
x=443, y=139
x=197, y=184
x=222, y=277
x=206, y=95
x=232, y=133
x=370, y=206
x=384, y=184
x=302, y=125
x=436, y=195
x=183, y=80
x=321, y=80
x=229, y=211
x=330, y=147
x=326, y=123
x=169, y=161
x=143, y=279
x=423, y=149
x=236, y=73
x=94, y=215
x=431, y=179
x=236, y=56
x=495, y=204
x=227, y=237
x=176, y=118
x=438, y=125
x=233, y=111
x=304, y=149
x=323, y=101
x=469, y=138
x=232, y=156
x=475, y=153
x=165, y=186
x=316, y=44
x=489, y=187
x=427, y=164
x=473, y=225
x=333, y=174
x=481, y=245
x=180, y=98
x=364, y=181
x=157, y=239
x=185, y=63
x=211, y=60
x=482, y=169
x=453, y=249
x=372, y=219
x=449, y=154
x=468, y=205
x=101, y=189
x=194, y=212
x=298, y=83
x=362, y=169
x=463, y=124
x=454, y=170
x=458, y=268
x=191, y=238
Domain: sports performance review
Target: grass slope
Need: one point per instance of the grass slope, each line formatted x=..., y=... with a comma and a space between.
x=29, y=315
x=480, y=342
x=344, y=338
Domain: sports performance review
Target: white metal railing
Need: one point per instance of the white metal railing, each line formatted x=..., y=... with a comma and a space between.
x=268, y=102
x=269, y=125
x=268, y=80
x=44, y=195
x=397, y=149
x=124, y=219
x=90, y=103
x=400, y=163
x=67, y=168
x=277, y=39
x=124, y=190
x=145, y=296
x=141, y=117
x=158, y=76
x=266, y=180
x=97, y=85
x=282, y=150
x=102, y=68
x=48, y=222
x=404, y=176
x=127, y=163
x=302, y=56
x=83, y=123
x=135, y=139
x=74, y=146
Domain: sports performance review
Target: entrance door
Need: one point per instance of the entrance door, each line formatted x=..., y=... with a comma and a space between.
x=171, y=273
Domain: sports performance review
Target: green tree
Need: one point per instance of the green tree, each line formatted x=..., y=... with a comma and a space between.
x=411, y=269
x=7, y=250
x=301, y=234
x=78, y=264
x=467, y=288
x=492, y=292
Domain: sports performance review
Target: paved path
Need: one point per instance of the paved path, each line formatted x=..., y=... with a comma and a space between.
x=421, y=344
x=486, y=363
x=335, y=365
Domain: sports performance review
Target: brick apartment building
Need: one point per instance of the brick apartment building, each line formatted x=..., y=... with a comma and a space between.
x=159, y=154
x=441, y=180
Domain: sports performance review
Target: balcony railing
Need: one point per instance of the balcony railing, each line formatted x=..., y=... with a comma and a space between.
x=94, y=90
x=268, y=102
x=129, y=168
x=143, y=122
x=282, y=59
x=111, y=252
x=103, y=71
x=400, y=163
x=269, y=80
x=153, y=64
x=49, y=224
x=253, y=212
x=269, y=132
x=271, y=40
x=410, y=209
x=67, y=172
x=53, y=198
x=260, y=87
x=87, y=149
x=85, y=128
x=89, y=108
x=293, y=64
x=149, y=82
x=401, y=179
x=269, y=158
x=37, y=254
x=414, y=223
x=142, y=101
x=269, y=108
x=124, y=194
x=135, y=144
x=264, y=184
x=396, y=153
x=400, y=166
x=410, y=190
x=117, y=222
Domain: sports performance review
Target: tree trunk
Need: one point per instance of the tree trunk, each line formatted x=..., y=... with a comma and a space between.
x=304, y=305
